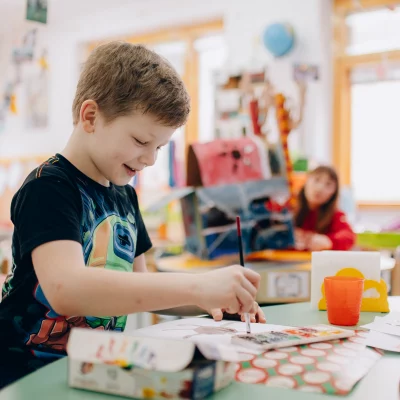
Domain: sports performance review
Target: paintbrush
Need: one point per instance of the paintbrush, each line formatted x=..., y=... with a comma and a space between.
x=239, y=234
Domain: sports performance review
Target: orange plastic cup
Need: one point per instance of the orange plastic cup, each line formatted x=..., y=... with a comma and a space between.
x=343, y=299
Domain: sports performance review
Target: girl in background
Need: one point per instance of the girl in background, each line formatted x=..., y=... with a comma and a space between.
x=320, y=225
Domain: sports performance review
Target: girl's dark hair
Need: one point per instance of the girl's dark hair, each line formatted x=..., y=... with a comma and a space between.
x=326, y=211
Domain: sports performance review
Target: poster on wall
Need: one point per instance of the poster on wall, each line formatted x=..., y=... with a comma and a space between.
x=36, y=90
x=25, y=51
x=36, y=10
x=305, y=72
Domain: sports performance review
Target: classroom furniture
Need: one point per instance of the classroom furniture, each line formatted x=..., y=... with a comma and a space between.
x=384, y=241
x=285, y=275
x=378, y=240
x=382, y=381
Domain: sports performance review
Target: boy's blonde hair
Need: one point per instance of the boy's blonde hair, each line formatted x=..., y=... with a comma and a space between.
x=123, y=78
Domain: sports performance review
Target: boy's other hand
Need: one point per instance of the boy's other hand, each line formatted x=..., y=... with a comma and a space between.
x=256, y=316
x=232, y=289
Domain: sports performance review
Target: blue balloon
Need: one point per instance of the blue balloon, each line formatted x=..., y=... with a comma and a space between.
x=278, y=39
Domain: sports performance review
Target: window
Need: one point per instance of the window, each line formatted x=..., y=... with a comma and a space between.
x=212, y=53
x=373, y=31
x=375, y=141
x=366, y=98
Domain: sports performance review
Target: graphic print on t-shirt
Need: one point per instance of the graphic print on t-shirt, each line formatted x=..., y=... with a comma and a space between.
x=109, y=241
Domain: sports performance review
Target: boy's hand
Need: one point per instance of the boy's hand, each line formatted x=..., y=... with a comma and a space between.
x=233, y=289
x=256, y=316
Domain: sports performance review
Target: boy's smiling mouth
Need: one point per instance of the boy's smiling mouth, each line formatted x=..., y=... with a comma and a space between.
x=129, y=170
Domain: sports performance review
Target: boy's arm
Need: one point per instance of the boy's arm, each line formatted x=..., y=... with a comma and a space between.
x=184, y=311
x=74, y=289
x=139, y=265
x=47, y=215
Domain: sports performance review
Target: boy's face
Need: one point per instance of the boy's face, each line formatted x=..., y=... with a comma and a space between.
x=126, y=145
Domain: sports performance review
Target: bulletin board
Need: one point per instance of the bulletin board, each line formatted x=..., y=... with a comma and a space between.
x=13, y=172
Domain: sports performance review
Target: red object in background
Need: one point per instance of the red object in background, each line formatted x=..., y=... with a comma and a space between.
x=254, y=115
x=274, y=206
x=339, y=231
x=343, y=299
x=226, y=162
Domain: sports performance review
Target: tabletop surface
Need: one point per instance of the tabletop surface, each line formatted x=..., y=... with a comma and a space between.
x=285, y=259
x=382, y=382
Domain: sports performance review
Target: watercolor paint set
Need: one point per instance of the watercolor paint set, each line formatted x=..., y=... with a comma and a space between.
x=263, y=341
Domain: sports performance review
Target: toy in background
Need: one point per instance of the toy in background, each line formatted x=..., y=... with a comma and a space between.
x=227, y=178
x=287, y=122
x=238, y=161
x=266, y=224
x=238, y=187
x=279, y=39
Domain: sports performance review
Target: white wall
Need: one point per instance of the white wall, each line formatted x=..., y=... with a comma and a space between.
x=73, y=22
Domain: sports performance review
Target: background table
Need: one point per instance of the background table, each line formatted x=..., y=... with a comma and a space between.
x=382, y=382
x=294, y=269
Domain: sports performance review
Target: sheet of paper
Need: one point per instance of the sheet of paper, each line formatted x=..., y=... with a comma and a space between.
x=205, y=330
x=383, y=341
x=393, y=318
x=389, y=324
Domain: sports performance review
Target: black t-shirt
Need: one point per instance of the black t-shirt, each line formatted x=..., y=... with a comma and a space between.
x=58, y=202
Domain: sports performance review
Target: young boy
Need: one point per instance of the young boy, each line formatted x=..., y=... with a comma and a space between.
x=77, y=210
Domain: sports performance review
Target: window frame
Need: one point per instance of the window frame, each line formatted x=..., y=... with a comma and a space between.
x=342, y=67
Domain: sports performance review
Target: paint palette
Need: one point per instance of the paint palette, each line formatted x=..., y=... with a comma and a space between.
x=290, y=337
x=332, y=367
